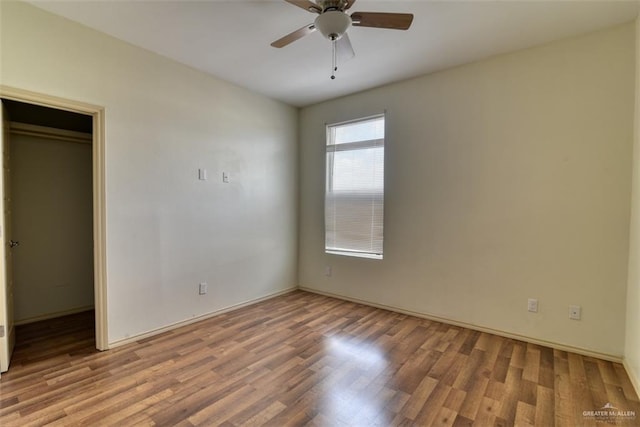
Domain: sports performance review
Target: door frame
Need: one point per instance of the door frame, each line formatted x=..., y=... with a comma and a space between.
x=99, y=196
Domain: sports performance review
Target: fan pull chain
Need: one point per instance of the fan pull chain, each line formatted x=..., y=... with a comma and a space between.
x=334, y=65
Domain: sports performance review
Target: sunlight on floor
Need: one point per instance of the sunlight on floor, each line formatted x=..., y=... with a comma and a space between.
x=357, y=396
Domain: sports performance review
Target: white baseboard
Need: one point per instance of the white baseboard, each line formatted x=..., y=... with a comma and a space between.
x=177, y=325
x=557, y=346
x=53, y=315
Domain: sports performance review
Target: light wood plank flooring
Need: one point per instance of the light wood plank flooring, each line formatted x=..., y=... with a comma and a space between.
x=304, y=359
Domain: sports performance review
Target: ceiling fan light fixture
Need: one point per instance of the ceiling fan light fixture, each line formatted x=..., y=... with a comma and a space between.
x=333, y=24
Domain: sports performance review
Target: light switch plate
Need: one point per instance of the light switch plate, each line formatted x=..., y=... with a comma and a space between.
x=203, y=288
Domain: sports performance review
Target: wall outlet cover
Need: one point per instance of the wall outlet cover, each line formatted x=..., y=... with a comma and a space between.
x=575, y=312
x=203, y=288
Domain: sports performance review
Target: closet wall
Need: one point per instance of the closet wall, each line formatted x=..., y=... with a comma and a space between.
x=52, y=219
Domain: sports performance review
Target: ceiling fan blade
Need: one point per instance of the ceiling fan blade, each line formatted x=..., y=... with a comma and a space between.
x=344, y=49
x=349, y=4
x=306, y=5
x=394, y=21
x=297, y=34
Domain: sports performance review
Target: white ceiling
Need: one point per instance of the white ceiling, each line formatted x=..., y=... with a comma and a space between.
x=230, y=39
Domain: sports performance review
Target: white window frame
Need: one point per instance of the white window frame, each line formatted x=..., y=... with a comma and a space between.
x=348, y=146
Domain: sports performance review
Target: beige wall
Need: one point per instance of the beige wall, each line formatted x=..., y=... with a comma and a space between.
x=632, y=344
x=506, y=179
x=52, y=219
x=166, y=230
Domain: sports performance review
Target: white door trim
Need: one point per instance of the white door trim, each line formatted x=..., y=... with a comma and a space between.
x=99, y=196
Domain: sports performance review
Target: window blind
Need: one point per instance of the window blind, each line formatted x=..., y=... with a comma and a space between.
x=354, y=196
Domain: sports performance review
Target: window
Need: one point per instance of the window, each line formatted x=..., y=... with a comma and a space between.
x=354, y=195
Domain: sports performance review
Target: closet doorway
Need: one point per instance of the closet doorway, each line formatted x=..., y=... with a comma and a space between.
x=53, y=197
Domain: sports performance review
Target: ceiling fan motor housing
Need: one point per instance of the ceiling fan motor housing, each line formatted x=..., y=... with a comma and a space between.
x=326, y=5
x=333, y=24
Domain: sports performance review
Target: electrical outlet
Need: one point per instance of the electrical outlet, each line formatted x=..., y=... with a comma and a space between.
x=203, y=288
x=327, y=271
x=532, y=305
x=575, y=312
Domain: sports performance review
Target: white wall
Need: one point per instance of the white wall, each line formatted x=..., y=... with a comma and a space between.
x=632, y=343
x=506, y=179
x=51, y=205
x=166, y=230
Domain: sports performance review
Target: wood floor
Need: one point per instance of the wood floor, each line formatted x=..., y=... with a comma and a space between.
x=304, y=359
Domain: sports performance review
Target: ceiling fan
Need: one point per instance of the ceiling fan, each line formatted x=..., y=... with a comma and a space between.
x=333, y=22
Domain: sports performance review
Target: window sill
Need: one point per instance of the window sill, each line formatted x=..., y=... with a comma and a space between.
x=354, y=254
